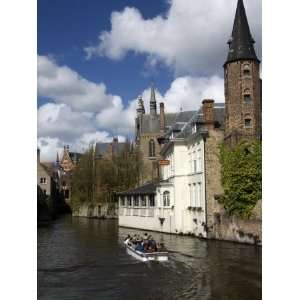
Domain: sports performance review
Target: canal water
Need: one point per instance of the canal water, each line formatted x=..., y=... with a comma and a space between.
x=84, y=259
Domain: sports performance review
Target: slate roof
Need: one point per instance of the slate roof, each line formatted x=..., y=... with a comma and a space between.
x=150, y=123
x=241, y=41
x=146, y=189
x=184, y=122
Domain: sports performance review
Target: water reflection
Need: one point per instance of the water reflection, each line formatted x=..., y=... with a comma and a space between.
x=81, y=258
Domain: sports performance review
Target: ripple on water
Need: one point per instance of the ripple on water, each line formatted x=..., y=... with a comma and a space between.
x=85, y=259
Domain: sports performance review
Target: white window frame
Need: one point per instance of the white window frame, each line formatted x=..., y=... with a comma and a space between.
x=166, y=199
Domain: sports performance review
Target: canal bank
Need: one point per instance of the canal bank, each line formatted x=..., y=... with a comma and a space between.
x=82, y=258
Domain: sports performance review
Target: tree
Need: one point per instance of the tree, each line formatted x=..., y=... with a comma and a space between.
x=98, y=180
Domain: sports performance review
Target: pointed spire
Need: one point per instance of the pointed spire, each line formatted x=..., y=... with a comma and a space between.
x=241, y=41
x=57, y=159
x=152, y=101
x=140, y=107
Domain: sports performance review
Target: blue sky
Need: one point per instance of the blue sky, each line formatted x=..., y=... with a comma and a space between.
x=65, y=27
x=87, y=86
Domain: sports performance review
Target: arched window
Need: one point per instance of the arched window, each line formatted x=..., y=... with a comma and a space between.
x=247, y=95
x=151, y=148
x=166, y=198
x=246, y=70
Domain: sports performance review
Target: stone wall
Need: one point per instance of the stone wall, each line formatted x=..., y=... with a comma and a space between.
x=220, y=225
x=98, y=210
x=232, y=228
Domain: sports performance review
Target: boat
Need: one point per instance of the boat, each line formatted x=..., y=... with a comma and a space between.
x=144, y=256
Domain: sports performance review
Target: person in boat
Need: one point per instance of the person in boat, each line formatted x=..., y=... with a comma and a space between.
x=152, y=243
x=139, y=247
x=145, y=237
x=127, y=239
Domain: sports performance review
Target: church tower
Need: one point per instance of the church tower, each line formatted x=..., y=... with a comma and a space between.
x=242, y=83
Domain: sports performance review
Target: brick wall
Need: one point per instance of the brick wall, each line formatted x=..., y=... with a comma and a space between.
x=237, y=84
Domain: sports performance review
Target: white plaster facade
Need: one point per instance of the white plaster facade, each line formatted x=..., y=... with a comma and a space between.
x=179, y=198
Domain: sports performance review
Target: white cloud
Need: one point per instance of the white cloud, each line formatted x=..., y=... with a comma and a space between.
x=188, y=92
x=60, y=123
x=64, y=85
x=50, y=146
x=191, y=38
x=59, y=120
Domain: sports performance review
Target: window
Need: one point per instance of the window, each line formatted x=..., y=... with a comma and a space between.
x=44, y=192
x=67, y=194
x=136, y=201
x=122, y=201
x=43, y=180
x=191, y=195
x=246, y=70
x=195, y=165
x=151, y=200
x=199, y=160
x=151, y=148
x=247, y=98
x=143, y=201
x=196, y=194
x=248, y=123
x=129, y=201
x=166, y=198
x=199, y=194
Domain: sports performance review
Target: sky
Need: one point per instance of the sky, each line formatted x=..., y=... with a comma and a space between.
x=96, y=57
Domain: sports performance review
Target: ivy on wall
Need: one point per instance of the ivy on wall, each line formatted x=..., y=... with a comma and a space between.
x=241, y=173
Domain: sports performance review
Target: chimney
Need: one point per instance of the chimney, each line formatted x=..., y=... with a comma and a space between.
x=38, y=155
x=162, y=119
x=208, y=113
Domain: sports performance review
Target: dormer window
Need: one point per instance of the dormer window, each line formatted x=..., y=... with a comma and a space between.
x=194, y=128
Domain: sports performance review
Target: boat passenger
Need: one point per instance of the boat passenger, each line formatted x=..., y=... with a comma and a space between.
x=139, y=247
x=127, y=240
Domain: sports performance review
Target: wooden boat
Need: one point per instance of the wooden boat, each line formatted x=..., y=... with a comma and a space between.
x=143, y=256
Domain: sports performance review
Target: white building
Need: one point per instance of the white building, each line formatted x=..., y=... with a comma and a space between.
x=176, y=204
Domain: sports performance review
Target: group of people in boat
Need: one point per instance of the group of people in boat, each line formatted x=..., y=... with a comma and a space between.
x=144, y=243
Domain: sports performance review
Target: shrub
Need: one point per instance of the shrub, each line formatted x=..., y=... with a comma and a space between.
x=241, y=177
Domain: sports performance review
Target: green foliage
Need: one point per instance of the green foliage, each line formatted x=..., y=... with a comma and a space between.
x=241, y=177
x=98, y=180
